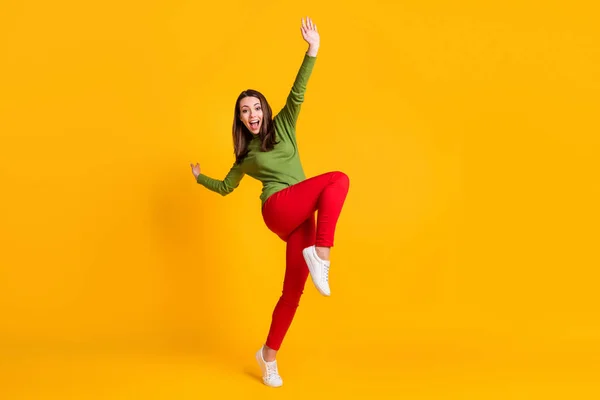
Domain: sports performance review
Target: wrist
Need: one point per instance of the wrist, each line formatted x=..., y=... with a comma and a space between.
x=313, y=49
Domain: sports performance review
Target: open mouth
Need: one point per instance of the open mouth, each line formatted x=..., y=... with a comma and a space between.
x=254, y=125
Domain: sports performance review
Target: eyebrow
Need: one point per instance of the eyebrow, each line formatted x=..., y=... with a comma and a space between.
x=249, y=106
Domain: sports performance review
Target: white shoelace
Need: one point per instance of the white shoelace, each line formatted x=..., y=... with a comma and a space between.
x=326, y=273
x=272, y=370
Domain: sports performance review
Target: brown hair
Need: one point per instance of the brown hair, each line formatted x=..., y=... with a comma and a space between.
x=241, y=134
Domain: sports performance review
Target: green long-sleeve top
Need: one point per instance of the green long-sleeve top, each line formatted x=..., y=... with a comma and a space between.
x=281, y=167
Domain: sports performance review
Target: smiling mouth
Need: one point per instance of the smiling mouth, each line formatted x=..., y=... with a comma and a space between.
x=254, y=125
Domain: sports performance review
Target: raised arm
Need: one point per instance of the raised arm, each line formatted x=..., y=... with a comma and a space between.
x=295, y=98
x=224, y=187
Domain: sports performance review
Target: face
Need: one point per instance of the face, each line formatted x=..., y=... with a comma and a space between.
x=251, y=114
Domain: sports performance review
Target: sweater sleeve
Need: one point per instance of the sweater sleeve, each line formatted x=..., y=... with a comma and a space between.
x=227, y=185
x=289, y=112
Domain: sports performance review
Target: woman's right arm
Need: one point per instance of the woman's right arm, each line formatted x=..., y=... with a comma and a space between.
x=224, y=187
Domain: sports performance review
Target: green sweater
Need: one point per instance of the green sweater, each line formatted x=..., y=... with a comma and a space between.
x=281, y=167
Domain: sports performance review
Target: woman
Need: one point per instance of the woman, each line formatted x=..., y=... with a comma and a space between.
x=266, y=149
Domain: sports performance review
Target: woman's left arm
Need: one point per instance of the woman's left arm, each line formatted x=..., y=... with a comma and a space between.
x=295, y=98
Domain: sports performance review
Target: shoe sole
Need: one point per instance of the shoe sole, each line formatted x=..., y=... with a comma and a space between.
x=307, y=256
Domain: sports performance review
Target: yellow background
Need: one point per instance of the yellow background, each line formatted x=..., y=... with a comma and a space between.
x=466, y=258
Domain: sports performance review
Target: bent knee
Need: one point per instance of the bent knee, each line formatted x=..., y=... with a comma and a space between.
x=341, y=178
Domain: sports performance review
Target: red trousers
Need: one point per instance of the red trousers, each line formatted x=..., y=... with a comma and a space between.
x=289, y=214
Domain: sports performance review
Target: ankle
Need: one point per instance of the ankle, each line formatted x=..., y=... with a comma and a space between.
x=323, y=252
x=269, y=354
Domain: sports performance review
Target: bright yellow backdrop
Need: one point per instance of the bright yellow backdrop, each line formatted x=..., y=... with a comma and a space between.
x=466, y=259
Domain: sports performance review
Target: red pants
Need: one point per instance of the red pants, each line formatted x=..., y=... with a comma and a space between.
x=289, y=213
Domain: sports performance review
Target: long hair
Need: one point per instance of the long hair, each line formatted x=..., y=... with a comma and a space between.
x=242, y=136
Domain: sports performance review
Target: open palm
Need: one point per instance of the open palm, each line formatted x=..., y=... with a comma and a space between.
x=309, y=32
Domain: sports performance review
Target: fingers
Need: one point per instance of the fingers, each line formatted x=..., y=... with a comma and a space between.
x=308, y=25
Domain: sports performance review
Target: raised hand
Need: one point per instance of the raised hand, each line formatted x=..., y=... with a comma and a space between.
x=195, y=170
x=310, y=35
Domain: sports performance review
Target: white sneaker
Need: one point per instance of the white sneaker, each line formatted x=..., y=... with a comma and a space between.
x=319, y=270
x=269, y=370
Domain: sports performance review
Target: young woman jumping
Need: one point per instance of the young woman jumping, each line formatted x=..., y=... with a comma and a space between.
x=265, y=148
